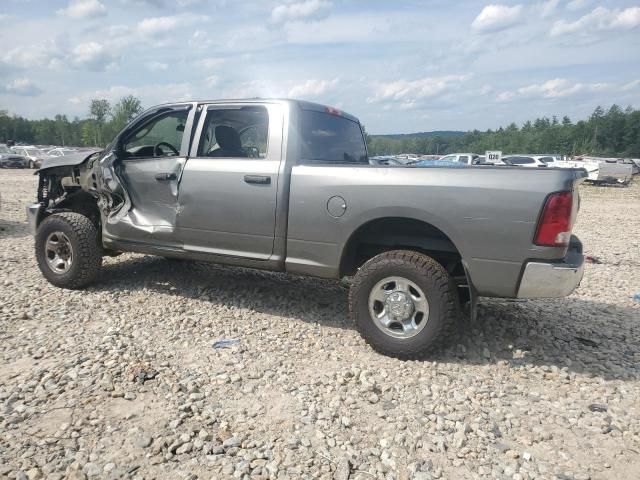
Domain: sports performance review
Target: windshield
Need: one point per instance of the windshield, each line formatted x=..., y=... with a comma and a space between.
x=4, y=149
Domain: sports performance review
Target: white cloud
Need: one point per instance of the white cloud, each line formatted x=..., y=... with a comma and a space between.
x=312, y=88
x=309, y=9
x=157, y=66
x=155, y=26
x=58, y=55
x=211, y=81
x=149, y=94
x=548, y=7
x=553, y=89
x=410, y=90
x=630, y=86
x=600, y=19
x=494, y=18
x=210, y=63
x=505, y=96
x=577, y=4
x=21, y=86
x=84, y=9
x=41, y=55
x=92, y=56
x=200, y=40
x=360, y=28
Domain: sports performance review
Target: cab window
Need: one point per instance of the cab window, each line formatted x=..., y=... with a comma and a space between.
x=328, y=138
x=235, y=133
x=159, y=137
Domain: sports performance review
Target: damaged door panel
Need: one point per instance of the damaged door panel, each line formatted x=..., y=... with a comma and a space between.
x=137, y=184
x=131, y=188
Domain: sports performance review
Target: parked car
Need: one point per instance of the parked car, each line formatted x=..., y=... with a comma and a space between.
x=553, y=157
x=466, y=158
x=10, y=159
x=61, y=152
x=34, y=155
x=287, y=186
x=529, y=161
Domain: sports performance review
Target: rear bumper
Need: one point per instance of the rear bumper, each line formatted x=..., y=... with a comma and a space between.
x=34, y=216
x=553, y=280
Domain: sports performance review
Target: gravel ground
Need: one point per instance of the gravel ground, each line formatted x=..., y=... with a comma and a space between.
x=121, y=380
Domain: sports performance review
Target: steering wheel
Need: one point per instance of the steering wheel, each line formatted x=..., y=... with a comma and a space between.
x=157, y=151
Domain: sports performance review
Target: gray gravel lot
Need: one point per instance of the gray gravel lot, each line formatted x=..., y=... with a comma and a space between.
x=121, y=380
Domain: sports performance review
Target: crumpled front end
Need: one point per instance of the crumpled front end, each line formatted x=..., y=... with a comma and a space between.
x=86, y=183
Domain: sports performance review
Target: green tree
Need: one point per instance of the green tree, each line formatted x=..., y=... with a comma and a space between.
x=99, y=110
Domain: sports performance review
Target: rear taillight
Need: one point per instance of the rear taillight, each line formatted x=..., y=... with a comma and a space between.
x=556, y=221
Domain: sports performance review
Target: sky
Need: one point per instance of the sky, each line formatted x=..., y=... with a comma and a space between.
x=400, y=66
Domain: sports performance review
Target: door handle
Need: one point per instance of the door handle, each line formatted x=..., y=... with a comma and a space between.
x=257, y=179
x=165, y=177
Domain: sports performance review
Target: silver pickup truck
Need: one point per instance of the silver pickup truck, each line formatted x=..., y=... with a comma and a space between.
x=287, y=186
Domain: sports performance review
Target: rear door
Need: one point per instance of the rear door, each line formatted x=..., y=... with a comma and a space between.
x=229, y=185
x=151, y=156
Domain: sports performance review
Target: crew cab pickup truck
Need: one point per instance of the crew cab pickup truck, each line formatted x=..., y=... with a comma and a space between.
x=287, y=186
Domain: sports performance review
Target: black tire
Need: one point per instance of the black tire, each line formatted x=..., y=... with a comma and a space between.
x=85, y=245
x=430, y=277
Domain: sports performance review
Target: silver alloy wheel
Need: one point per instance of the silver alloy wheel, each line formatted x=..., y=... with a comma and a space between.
x=58, y=252
x=398, y=307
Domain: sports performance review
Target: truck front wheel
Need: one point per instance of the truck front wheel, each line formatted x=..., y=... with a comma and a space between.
x=402, y=302
x=68, y=250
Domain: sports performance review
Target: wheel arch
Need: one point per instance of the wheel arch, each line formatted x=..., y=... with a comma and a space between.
x=395, y=232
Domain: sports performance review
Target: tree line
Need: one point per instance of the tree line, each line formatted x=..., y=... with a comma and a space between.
x=614, y=132
x=104, y=121
x=611, y=133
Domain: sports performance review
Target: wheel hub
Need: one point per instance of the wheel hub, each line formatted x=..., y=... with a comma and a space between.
x=399, y=305
x=59, y=253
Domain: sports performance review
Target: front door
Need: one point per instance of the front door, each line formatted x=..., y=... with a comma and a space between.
x=150, y=161
x=229, y=184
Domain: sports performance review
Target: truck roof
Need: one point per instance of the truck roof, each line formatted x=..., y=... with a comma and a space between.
x=303, y=104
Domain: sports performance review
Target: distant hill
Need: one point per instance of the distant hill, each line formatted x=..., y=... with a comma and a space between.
x=439, y=133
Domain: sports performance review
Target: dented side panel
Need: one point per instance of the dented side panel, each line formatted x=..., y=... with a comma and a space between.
x=138, y=197
x=147, y=207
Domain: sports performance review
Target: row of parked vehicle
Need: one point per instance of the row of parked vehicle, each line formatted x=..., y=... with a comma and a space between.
x=521, y=160
x=599, y=170
x=29, y=156
x=462, y=159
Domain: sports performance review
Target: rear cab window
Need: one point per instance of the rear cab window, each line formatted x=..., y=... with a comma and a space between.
x=235, y=133
x=330, y=138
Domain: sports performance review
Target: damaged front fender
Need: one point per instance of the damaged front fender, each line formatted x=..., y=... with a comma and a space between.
x=113, y=200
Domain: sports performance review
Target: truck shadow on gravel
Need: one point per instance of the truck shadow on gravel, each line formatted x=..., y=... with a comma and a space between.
x=571, y=334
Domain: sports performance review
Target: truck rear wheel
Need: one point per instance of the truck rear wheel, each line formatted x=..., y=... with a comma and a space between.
x=402, y=302
x=68, y=250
